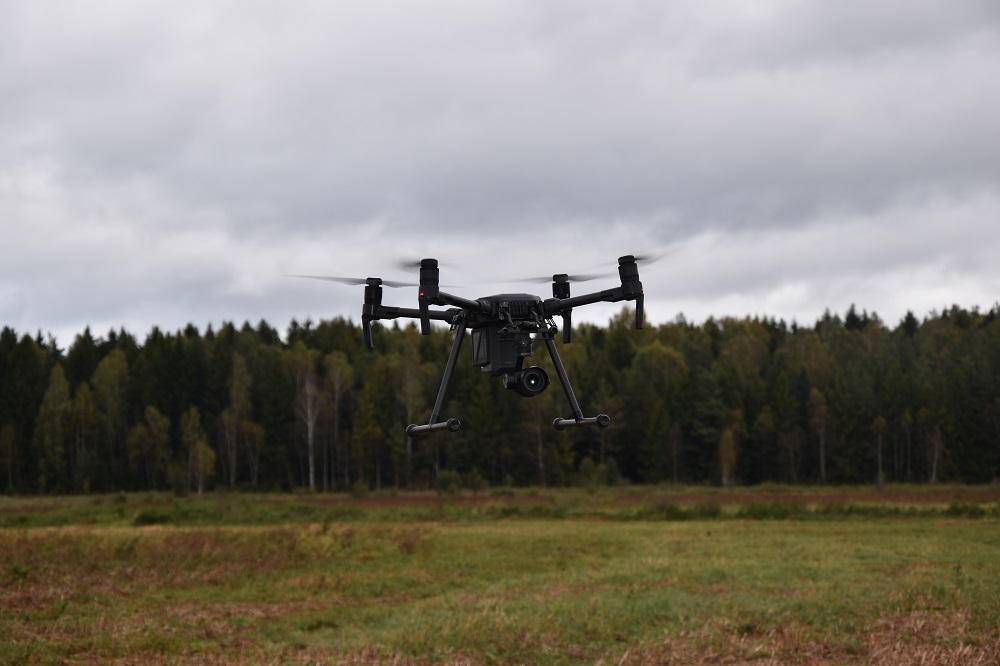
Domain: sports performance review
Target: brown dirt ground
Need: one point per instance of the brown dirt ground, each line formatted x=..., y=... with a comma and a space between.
x=829, y=496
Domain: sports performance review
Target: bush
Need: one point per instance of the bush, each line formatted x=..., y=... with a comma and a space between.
x=965, y=510
x=610, y=474
x=360, y=488
x=474, y=481
x=588, y=472
x=449, y=482
x=664, y=509
x=152, y=517
x=707, y=509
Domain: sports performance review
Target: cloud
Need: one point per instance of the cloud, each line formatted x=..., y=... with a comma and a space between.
x=163, y=164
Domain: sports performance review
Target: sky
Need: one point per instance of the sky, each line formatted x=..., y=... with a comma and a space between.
x=166, y=163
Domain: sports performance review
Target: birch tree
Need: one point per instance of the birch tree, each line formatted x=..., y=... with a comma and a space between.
x=201, y=458
x=308, y=400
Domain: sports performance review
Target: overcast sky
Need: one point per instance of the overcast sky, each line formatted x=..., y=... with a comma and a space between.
x=165, y=163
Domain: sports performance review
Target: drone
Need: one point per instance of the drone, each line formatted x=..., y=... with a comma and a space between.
x=504, y=328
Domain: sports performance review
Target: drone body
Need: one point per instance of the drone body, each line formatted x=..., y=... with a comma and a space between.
x=504, y=327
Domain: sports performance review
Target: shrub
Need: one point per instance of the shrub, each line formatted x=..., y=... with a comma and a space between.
x=449, y=482
x=152, y=517
x=965, y=510
x=588, y=472
x=474, y=481
x=613, y=475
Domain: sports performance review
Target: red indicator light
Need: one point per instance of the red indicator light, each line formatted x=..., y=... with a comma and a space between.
x=421, y=293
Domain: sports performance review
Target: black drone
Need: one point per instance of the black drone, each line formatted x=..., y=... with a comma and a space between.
x=503, y=327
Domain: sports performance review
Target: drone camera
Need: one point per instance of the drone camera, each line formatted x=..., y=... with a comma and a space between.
x=528, y=382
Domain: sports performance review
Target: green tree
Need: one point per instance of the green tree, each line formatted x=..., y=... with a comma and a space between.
x=935, y=448
x=201, y=458
x=727, y=457
x=368, y=434
x=742, y=360
x=706, y=420
x=309, y=399
x=340, y=382
x=791, y=442
x=233, y=417
x=109, y=384
x=203, y=463
x=539, y=434
x=149, y=445
x=85, y=426
x=879, y=429
x=254, y=437
x=819, y=420
x=7, y=449
x=51, y=433
x=766, y=450
x=413, y=378
x=82, y=358
x=654, y=382
x=906, y=425
x=24, y=376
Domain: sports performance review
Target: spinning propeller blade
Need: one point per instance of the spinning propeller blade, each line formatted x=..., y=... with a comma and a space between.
x=581, y=277
x=647, y=259
x=355, y=281
x=644, y=259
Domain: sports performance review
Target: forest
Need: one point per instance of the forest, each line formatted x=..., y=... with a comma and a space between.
x=726, y=402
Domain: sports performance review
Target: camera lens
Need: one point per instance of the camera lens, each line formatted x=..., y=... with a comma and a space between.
x=528, y=382
x=533, y=381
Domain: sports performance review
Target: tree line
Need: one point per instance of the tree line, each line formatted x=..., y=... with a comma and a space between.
x=728, y=401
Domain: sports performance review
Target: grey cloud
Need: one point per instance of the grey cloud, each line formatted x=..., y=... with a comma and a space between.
x=215, y=144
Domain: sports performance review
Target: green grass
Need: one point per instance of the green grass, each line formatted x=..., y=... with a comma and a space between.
x=771, y=502
x=222, y=580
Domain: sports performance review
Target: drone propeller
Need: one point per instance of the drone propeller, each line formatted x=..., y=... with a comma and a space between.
x=408, y=264
x=647, y=259
x=581, y=277
x=357, y=281
x=644, y=259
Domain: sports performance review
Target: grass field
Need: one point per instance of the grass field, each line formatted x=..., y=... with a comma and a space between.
x=629, y=576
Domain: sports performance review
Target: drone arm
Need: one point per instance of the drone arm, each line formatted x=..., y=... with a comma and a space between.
x=630, y=290
x=444, y=298
x=375, y=311
x=390, y=312
x=560, y=306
